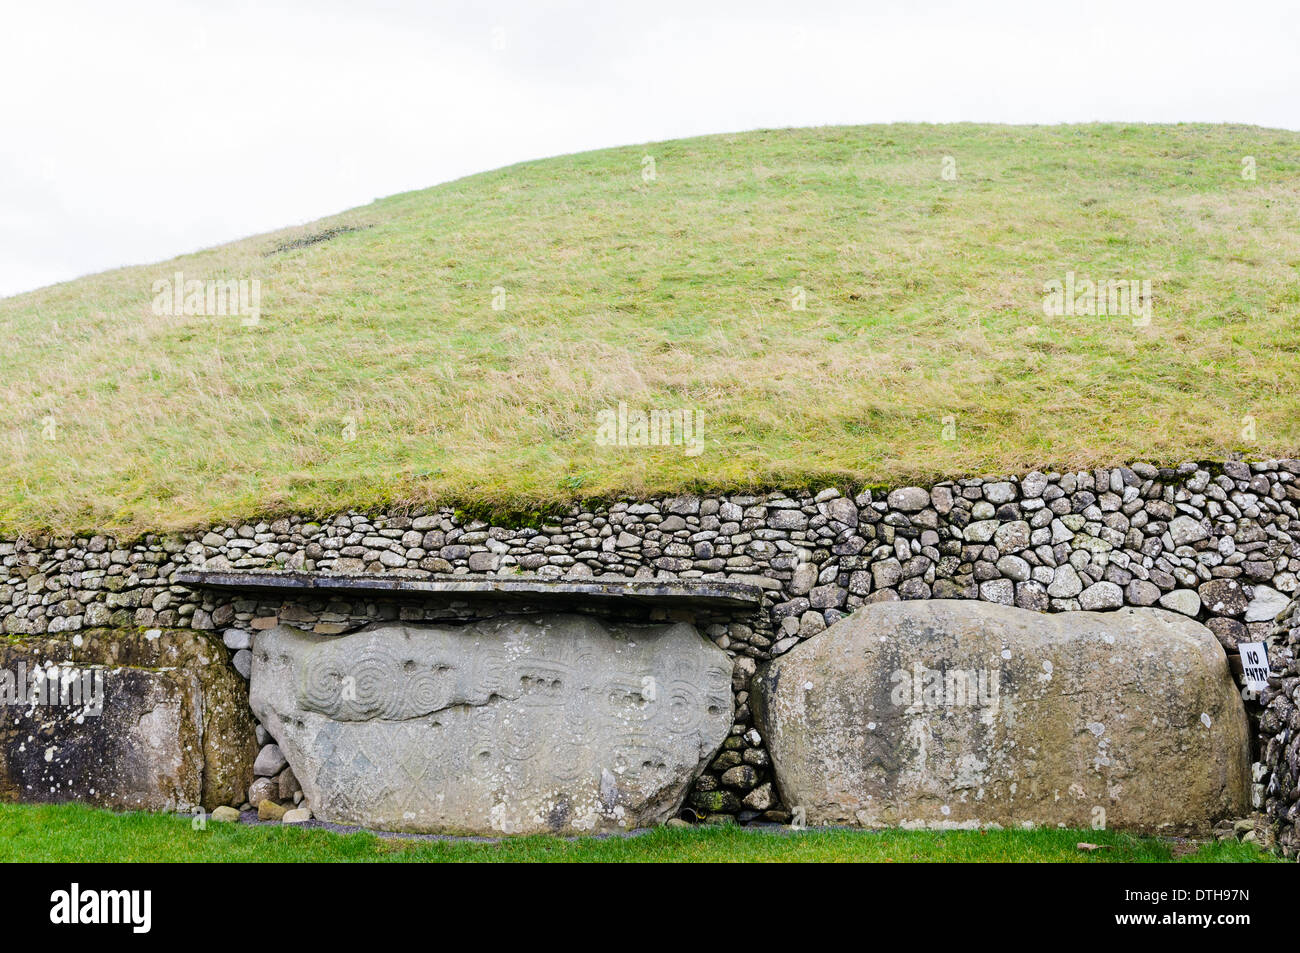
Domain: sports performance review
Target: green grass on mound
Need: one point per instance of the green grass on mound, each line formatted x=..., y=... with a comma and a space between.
x=71, y=832
x=380, y=370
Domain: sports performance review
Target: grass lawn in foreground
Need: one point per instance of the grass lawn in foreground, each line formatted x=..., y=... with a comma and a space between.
x=380, y=371
x=72, y=832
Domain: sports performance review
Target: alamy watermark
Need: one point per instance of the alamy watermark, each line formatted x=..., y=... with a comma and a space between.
x=226, y=297
x=626, y=427
x=1130, y=297
x=74, y=906
x=923, y=687
x=50, y=686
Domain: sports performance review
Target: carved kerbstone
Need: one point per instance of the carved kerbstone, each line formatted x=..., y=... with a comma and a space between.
x=514, y=725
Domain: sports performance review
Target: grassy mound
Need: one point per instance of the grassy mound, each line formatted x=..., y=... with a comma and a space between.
x=382, y=370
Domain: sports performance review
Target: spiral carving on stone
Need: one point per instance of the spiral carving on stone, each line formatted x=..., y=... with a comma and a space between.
x=559, y=723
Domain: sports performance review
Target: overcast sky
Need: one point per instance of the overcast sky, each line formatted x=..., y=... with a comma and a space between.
x=133, y=131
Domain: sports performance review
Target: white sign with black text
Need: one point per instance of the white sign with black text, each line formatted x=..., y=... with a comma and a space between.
x=1254, y=665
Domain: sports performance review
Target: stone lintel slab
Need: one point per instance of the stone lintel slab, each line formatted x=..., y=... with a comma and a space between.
x=650, y=593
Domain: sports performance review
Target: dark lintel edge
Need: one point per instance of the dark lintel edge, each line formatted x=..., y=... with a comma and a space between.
x=662, y=591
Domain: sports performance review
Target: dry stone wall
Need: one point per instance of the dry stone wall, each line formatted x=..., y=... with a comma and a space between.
x=1278, y=771
x=1216, y=542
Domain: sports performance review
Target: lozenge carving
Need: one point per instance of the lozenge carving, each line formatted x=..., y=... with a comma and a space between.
x=514, y=725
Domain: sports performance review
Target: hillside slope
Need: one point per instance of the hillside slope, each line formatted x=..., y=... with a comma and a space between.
x=380, y=369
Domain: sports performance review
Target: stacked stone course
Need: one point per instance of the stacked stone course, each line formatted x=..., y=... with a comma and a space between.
x=1278, y=771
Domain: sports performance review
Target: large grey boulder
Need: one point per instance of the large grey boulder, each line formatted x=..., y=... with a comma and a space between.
x=963, y=713
x=127, y=719
x=514, y=725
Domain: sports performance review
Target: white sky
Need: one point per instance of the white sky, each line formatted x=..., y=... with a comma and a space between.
x=134, y=131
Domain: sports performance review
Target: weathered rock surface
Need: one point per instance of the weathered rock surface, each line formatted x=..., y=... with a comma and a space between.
x=1277, y=788
x=962, y=713
x=173, y=729
x=514, y=725
x=1267, y=604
